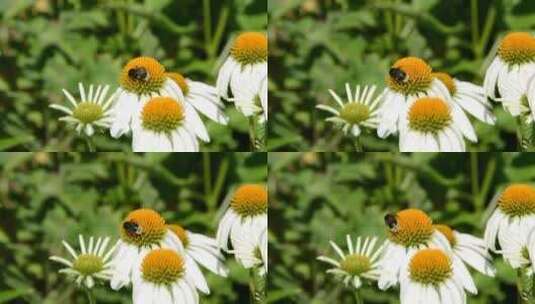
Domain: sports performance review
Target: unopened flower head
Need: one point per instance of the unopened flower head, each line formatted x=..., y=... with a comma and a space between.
x=409, y=78
x=360, y=111
x=510, y=71
x=243, y=224
x=141, y=79
x=470, y=97
x=203, y=97
x=201, y=249
x=432, y=275
x=91, y=264
x=92, y=111
x=245, y=73
x=141, y=231
x=433, y=124
x=469, y=249
x=407, y=230
x=511, y=223
x=166, y=125
x=361, y=263
x=164, y=275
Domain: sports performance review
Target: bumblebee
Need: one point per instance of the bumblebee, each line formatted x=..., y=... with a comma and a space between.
x=398, y=75
x=391, y=222
x=132, y=228
x=139, y=74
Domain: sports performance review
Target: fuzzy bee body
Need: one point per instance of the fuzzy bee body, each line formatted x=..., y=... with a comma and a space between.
x=398, y=75
x=391, y=222
x=139, y=74
x=132, y=228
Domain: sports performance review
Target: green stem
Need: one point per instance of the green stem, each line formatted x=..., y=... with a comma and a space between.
x=487, y=29
x=220, y=28
x=358, y=145
x=207, y=175
x=358, y=298
x=207, y=19
x=256, y=287
x=474, y=15
x=89, y=143
x=474, y=176
x=90, y=296
x=252, y=132
x=519, y=133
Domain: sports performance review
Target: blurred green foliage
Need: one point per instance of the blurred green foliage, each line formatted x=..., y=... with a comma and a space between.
x=46, y=198
x=317, y=197
x=48, y=45
x=318, y=45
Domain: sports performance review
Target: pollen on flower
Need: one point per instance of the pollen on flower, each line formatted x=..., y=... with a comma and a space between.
x=355, y=113
x=250, y=200
x=517, y=48
x=162, y=267
x=181, y=233
x=517, y=200
x=162, y=115
x=142, y=76
x=355, y=264
x=250, y=48
x=180, y=80
x=143, y=228
x=414, y=228
x=412, y=76
x=88, y=264
x=429, y=115
x=447, y=80
x=430, y=267
x=88, y=112
x=447, y=232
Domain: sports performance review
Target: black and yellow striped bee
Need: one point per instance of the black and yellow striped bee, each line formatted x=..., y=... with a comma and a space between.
x=398, y=75
x=139, y=74
x=392, y=222
x=132, y=228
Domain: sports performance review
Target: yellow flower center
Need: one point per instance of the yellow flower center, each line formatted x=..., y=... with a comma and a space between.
x=162, y=267
x=355, y=264
x=142, y=76
x=180, y=80
x=181, y=233
x=88, y=112
x=88, y=264
x=448, y=233
x=409, y=76
x=143, y=228
x=250, y=200
x=250, y=48
x=517, y=48
x=414, y=228
x=355, y=113
x=517, y=200
x=447, y=80
x=162, y=115
x=429, y=115
x=430, y=267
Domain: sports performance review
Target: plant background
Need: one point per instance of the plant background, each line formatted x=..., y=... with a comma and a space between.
x=317, y=197
x=49, y=197
x=47, y=45
x=318, y=45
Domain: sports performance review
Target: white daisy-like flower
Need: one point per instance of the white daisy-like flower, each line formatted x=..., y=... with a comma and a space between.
x=432, y=275
x=361, y=110
x=432, y=125
x=471, y=250
x=142, y=79
x=510, y=71
x=362, y=262
x=204, y=98
x=245, y=72
x=142, y=231
x=511, y=223
x=201, y=249
x=408, y=230
x=93, y=263
x=243, y=223
x=250, y=246
x=164, y=277
x=165, y=125
x=93, y=110
x=470, y=97
x=410, y=78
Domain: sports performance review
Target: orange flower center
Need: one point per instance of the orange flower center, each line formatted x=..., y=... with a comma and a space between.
x=517, y=200
x=162, y=115
x=409, y=76
x=250, y=48
x=447, y=232
x=180, y=80
x=250, y=200
x=429, y=115
x=430, y=267
x=414, y=228
x=142, y=76
x=162, y=267
x=181, y=233
x=143, y=227
x=517, y=48
x=447, y=80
